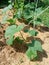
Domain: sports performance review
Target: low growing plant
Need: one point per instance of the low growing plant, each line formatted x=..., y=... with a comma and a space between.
x=30, y=12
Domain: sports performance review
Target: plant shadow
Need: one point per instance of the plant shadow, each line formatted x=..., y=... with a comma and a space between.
x=43, y=29
x=19, y=45
x=41, y=55
x=22, y=47
x=32, y=38
x=2, y=45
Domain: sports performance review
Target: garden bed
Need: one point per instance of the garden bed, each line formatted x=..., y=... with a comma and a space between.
x=15, y=54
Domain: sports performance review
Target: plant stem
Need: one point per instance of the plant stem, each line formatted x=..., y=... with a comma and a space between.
x=42, y=12
x=36, y=3
x=22, y=36
x=35, y=17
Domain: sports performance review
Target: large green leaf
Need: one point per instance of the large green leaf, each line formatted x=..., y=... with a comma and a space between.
x=38, y=21
x=10, y=40
x=32, y=32
x=38, y=11
x=31, y=53
x=4, y=19
x=20, y=27
x=45, y=18
x=11, y=21
x=46, y=2
x=30, y=5
x=33, y=48
x=10, y=31
x=36, y=45
x=27, y=14
x=18, y=14
x=7, y=8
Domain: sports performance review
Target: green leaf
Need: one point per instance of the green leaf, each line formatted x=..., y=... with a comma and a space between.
x=19, y=40
x=30, y=5
x=32, y=32
x=10, y=31
x=33, y=47
x=7, y=8
x=45, y=18
x=13, y=29
x=27, y=14
x=36, y=45
x=20, y=27
x=38, y=10
x=46, y=24
x=18, y=14
x=12, y=21
x=10, y=40
x=4, y=19
x=45, y=2
x=26, y=30
x=38, y=23
x=31, y=53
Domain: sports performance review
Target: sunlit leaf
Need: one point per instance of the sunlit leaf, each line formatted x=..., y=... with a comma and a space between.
x=4, y=19
x=7, y=8
x=20, y=27
x=10, y=31
x=33, y=48
x=11, y=21
x=31, y=53
x=36, y=45
x=32, y=32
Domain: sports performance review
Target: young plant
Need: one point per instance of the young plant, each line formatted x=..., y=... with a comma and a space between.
x=30, y=12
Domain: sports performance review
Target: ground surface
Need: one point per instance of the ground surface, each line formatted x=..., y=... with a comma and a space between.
x=15, y=55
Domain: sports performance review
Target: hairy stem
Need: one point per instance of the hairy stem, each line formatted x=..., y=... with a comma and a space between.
x=22, y=36
x=41, y=12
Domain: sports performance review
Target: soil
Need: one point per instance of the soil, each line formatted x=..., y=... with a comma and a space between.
x=15, y=54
